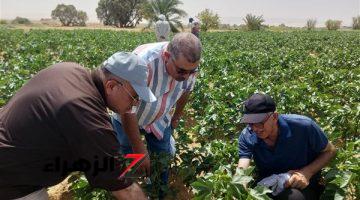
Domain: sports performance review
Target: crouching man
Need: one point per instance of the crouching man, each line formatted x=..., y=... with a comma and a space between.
x=288, y=147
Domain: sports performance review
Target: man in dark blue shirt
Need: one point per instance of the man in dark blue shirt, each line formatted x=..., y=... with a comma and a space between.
x=280, y=143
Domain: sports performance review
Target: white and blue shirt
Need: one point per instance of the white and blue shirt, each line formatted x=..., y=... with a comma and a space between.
x=155, y=117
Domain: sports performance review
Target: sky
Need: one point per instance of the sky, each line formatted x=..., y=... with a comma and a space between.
x=275, y=12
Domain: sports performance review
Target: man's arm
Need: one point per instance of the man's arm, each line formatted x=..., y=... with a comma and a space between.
x=244, y=163
x=300, y=178
x=132, y=192
x=131, y=128
x=245, y=150
x=180, y=105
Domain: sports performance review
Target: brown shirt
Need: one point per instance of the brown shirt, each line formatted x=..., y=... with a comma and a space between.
x=55, y=124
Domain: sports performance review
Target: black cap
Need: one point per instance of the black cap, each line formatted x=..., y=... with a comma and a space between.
x=257, y=107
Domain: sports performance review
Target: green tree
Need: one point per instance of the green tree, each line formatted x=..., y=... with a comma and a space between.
x=103, y=12
x=208, y=20
x=153, y=8
x=21, y=20
x=333, y=24
x=253, y=22
x=80, y=19
x=356, y=22
x=310, y=24
x=68, y=15
x=65, y=13
x=120, y=13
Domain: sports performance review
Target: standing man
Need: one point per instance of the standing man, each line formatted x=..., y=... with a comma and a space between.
x=173, y=66
x=281, y=143
x=195, y=28
x=58, y=123
x=162, y=29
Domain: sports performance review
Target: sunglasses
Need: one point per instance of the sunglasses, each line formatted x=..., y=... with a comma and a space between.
x=181, y=71
x=135, y=99
x=261, y=124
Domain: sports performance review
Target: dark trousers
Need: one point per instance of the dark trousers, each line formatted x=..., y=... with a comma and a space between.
x=312, y=192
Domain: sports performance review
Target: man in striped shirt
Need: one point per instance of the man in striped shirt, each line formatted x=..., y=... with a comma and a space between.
x=172, y=73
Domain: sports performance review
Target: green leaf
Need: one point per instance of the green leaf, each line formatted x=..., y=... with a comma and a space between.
x=241, y=176
x=260, y=193
x=342, y=179
x=339, y=195
x=203, y=189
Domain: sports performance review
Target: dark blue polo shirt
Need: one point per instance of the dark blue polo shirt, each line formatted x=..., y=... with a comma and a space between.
x=299, y=142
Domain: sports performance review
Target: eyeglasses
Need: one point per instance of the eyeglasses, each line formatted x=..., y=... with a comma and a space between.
x=181, y=71
x=135, y=99
x=261, y=124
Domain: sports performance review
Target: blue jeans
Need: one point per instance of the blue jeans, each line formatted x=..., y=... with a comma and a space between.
x=153, y=144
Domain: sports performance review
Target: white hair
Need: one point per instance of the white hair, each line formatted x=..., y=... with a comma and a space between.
x=186, y=44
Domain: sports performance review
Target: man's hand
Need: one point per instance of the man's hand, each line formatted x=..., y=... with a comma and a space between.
x=244, y=163
x=143, y=169
x=131, y=128
x=180, y=104
x=299, y=179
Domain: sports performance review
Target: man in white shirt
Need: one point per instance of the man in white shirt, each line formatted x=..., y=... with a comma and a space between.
x=162, y=29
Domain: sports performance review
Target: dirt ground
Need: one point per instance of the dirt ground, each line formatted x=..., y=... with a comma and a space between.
x=62, y=191
x=182, y=192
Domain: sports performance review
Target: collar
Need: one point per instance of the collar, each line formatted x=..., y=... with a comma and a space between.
x=284, y=129
x=95, y=75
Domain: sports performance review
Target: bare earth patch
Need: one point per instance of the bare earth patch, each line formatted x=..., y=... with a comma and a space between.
x=60, y=191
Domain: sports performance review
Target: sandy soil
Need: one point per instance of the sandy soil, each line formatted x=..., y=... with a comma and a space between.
x=60, y=191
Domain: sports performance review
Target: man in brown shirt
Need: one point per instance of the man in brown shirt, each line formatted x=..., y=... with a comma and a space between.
x=58, y=123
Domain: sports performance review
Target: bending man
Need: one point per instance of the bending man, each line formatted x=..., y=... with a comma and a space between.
x=58, y=123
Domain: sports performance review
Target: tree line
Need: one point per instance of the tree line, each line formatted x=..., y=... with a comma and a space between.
x=129, y=13
x=124, y=13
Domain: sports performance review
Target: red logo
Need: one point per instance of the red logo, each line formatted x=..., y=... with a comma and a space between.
x=136, y=157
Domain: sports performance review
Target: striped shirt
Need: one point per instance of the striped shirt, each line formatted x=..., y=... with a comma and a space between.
x=156, y=116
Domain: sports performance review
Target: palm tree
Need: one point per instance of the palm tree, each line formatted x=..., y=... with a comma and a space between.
x=253, y=22
x=153, y=8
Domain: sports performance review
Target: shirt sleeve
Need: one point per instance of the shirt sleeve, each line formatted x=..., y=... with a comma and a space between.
x=92, y=140
x=317, y=138
x=244, y=146
x=142, y=51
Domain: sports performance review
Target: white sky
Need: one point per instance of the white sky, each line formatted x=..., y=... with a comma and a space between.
x=290, y=12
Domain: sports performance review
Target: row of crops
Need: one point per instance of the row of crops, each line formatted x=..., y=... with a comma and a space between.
x=311, y=73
